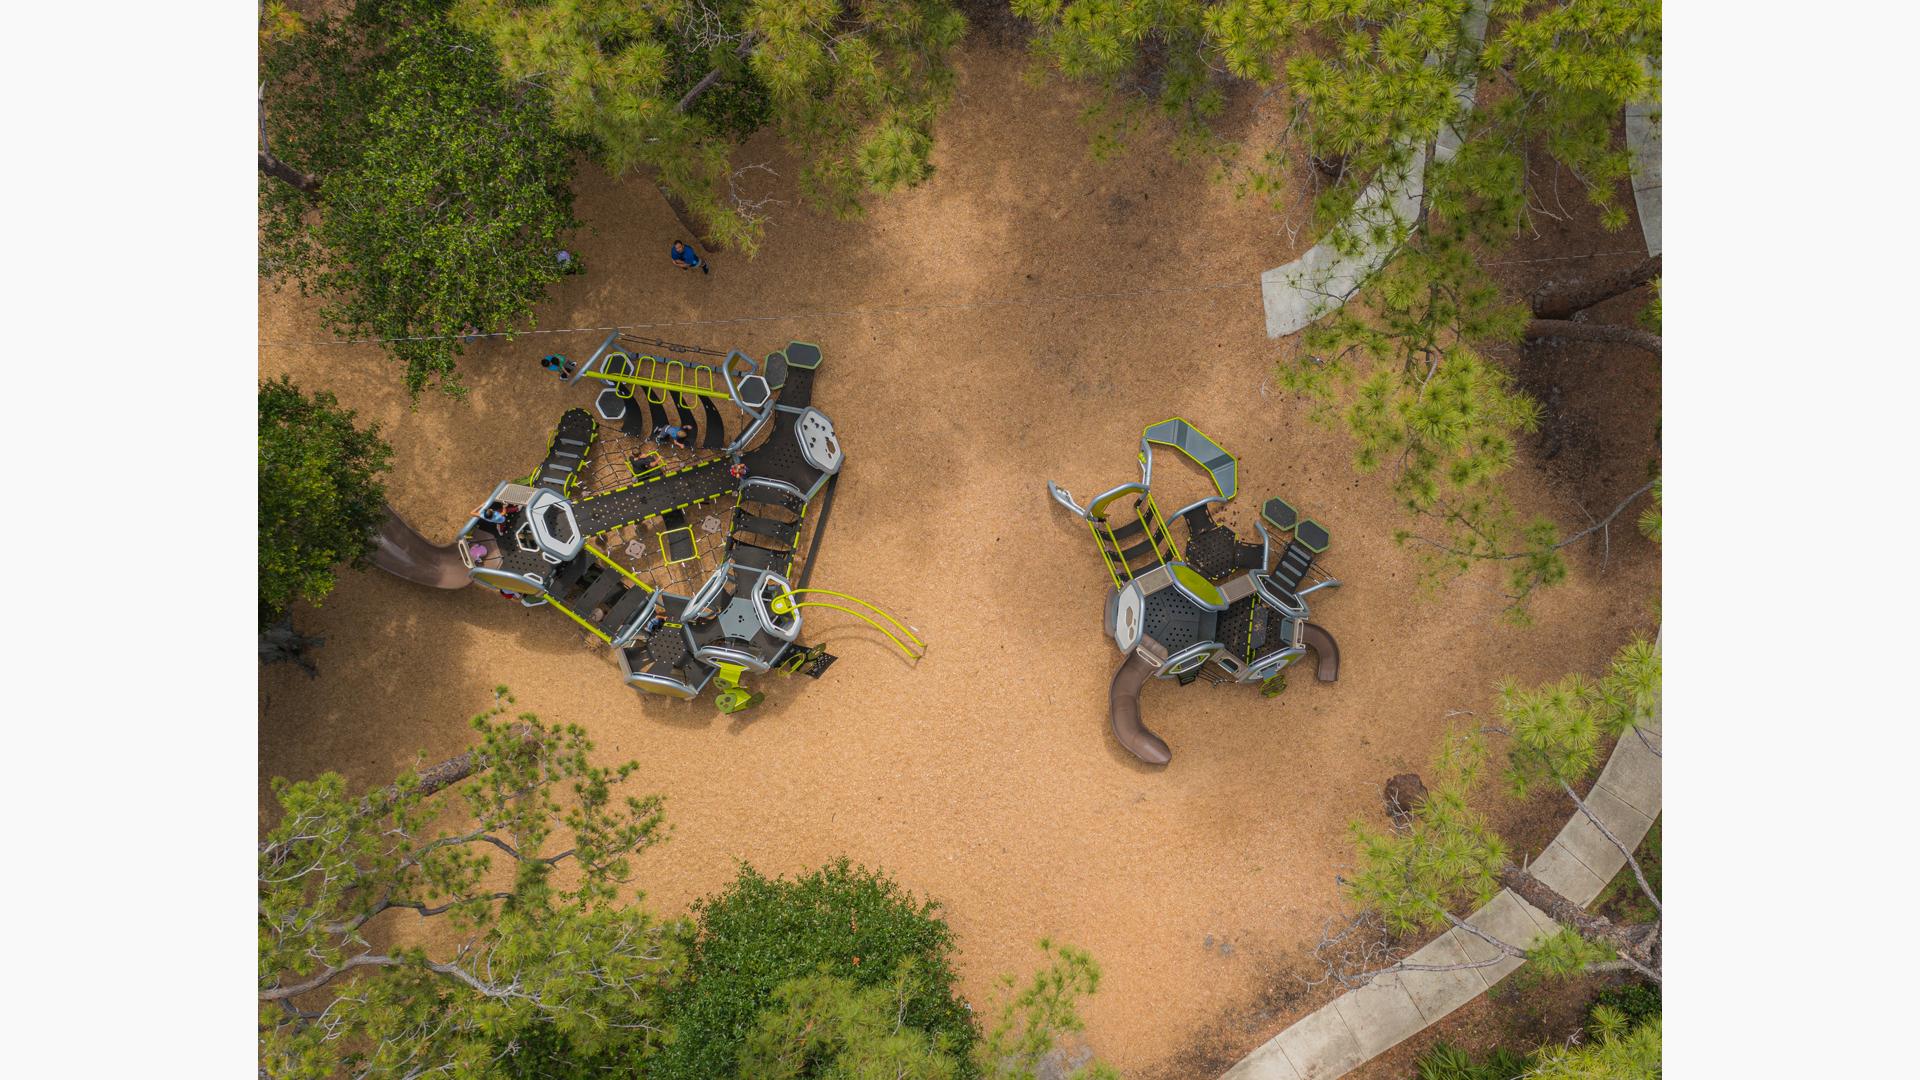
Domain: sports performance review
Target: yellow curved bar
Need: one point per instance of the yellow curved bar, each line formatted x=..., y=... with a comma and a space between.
x=869, y=605
x=836, y=607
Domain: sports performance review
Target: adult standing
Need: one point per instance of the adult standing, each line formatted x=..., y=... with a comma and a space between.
x=683, y=256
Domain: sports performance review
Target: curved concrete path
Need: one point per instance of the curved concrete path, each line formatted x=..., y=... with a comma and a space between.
x=1643, y=142
x=1364, y=1023
x=1325, y=277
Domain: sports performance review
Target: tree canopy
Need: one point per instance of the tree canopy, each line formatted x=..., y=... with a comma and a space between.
x=1403, y=91
x=320, y=494
x=841, y=921
x=528, y=958
x=405, y=183
x=671, y=86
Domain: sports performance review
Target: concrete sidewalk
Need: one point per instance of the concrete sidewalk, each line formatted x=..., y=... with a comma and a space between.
x=1364, y=1023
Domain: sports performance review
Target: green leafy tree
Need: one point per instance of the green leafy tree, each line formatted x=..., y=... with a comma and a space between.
x=853, y=88
x=405, y=183
x=321, y=498
x=532, y=956
x=1445, y=858
x=842, y=921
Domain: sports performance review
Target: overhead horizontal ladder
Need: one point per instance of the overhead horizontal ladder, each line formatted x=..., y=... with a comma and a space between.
x=660, y=376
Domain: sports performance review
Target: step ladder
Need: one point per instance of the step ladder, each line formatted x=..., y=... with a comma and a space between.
x=567, y=452
x=1137, y=546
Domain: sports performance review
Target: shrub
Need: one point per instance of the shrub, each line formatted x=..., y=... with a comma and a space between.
x=320, y=495
x=1638, y=1002
x=841, y=921
x=1444, y=1061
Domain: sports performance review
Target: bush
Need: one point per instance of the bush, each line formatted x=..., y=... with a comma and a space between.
x=1638, y=1002
x=320, y=496
x=842, y=921
x=1444, y=1061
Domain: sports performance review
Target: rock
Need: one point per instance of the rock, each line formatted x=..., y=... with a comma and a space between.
x=1404, y=794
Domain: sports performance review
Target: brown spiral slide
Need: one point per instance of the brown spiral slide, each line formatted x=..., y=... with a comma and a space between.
x=401, y=551
x=1123, y=710
x=1123, y=696
x=1326, y=652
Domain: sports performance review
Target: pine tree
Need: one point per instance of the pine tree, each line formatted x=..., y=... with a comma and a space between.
x=1447, y=859
x=1408, y=366
x=828, y=1025
x=671, y=87
x=527, y=963
x=1619, y=1052
x=402, y=182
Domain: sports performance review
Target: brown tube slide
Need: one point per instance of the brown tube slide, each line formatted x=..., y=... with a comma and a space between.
x=1325, y=650
x=405, y=553
x=1123, y=709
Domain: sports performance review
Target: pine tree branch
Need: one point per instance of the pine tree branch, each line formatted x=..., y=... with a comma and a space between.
x=1506, y=950
x=273, y=166
x=1561, y=301
x=1615, y=841
x=355, y=923
x=1582, y=534
x=454, y=971
x=1629, y=942
x=1608, y=333
x=711, y=77
x=453, y=770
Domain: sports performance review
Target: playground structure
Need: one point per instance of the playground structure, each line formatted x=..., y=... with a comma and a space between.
x=683, y=561
x=1205, y=605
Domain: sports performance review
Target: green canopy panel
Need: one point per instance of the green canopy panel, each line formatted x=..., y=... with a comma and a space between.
x=1195, y=444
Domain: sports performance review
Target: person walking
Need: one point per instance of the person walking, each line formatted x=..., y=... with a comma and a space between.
x=684, y=258
x=558, y=364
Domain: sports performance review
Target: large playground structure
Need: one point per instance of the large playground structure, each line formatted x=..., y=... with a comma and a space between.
x=1203, y=605
x=680, y=557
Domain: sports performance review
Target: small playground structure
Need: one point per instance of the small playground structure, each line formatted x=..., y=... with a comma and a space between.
x=1193, y=601
x=687, y=562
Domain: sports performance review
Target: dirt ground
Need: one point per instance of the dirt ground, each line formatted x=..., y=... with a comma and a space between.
x=983, y=776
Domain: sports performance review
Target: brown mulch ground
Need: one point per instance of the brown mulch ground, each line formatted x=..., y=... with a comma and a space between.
x=984, y=776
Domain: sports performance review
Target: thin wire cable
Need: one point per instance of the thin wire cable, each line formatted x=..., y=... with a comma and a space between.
x=905, y=309
x=848, y=313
